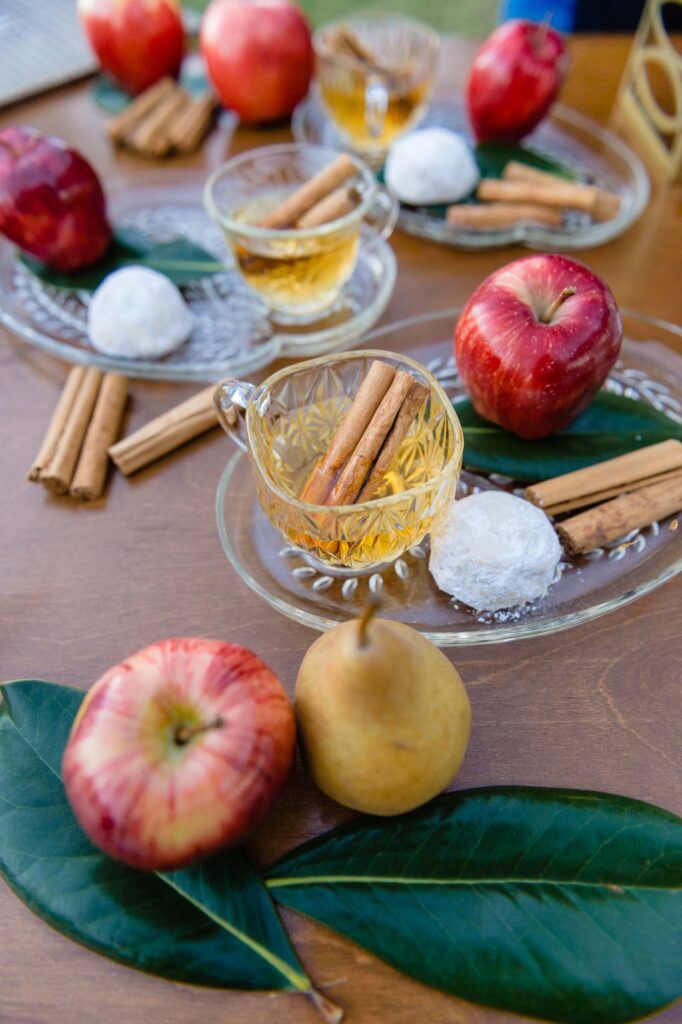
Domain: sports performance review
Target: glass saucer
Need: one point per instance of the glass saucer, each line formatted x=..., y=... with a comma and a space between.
x=233, y=333
x=586, y=587
x=565, y=136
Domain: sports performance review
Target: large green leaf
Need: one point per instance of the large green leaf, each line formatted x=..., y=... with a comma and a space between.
x=180, y=260
x=612, y=425
x=213, y=924
x=559, y=904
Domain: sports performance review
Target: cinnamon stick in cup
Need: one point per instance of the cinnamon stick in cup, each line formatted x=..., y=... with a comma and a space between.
x=91, y=471
x=365, y=404
x=58, y=473
x=337, y=204
x=416, y=397
x=353, y=474
x=58, y=422
x=304, y=198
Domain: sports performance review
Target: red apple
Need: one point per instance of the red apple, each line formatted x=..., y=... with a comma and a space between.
x=136, y=41
x=514, y=79
x=259, y=56
x=51, y=201
x=178, y=751
x=535, y=342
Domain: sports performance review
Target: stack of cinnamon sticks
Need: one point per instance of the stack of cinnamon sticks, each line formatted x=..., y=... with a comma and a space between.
x=368, y=439
x=527, y=194
x=73, y=457
x=625, y=493
x=322, y=199
x=162, y=120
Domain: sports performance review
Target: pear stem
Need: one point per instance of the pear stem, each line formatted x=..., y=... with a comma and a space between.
x=546, y=318
x=370, y=611
x=328, y=1011
x=185, y=733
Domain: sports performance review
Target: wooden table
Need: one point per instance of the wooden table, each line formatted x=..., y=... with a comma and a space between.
x=597, y=707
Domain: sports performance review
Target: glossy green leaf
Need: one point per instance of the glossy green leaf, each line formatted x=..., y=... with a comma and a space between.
x=612, y=425
x=558, y=904
x=180, y=260
x=212, y=924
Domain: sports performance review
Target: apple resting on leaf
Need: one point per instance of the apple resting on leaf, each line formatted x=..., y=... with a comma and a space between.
x=136, y=41
x=178, y=751
x=259, y=56
x=535, y=341
x=514, y=79
x=51, y=201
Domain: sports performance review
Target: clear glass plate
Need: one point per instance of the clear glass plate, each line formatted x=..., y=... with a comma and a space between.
x=586, y=588
x=565, y=136
x=233, y=334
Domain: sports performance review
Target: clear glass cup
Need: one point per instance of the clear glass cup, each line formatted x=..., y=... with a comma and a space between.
x=286, y=424
x=299, y=273
x=375, y=74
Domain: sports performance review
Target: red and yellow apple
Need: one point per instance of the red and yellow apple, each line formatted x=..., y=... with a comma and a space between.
x=178, y=751
x=136, y=41
x=514, y=79
x=51, y=201
x=535, y=341
x=259, y=56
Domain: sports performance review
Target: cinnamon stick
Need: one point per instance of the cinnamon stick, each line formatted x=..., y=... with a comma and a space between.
x=165, y=433
x=365, y=404
x=186, y=133
x=304, y=198
x=613, y=519
x=118, y=127
x=58, y=472
x=606, y=204
x=607, y=479
x=152, y=135
x=564, y=194
x=352, y=476
x=491, y=216
x=416, y=397
x=337, y=204
x=91, y=470
x=57, y=423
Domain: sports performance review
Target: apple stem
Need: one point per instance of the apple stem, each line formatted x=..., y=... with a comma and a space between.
x=328, y=1011
x=559, y=301
x=185, y=733
x=371, y=608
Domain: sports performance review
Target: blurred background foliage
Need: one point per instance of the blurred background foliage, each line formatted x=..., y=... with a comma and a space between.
x=465, y=17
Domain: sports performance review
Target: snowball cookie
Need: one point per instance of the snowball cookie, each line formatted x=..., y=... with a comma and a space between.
x=431, y=166
x=493, y=551
x=137, y=313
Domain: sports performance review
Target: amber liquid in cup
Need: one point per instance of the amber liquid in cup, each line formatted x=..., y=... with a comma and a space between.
x=296, y=442
x=346, y=107
x=304, y=274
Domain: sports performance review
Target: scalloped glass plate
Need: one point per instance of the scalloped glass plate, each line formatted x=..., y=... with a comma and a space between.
x=233, y=334
x=586, y=587
x=565, y=136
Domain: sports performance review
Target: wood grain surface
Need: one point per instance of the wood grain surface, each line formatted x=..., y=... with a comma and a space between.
x=82, y=587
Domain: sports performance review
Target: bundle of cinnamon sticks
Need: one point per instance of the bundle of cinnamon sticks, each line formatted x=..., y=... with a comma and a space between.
x=368, y=439
x=625, y=493
x=163, y=119
x=322, y=199
x=527, y=194
x=73, y=457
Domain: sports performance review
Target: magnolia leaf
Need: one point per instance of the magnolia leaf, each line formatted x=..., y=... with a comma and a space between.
x=558, y=904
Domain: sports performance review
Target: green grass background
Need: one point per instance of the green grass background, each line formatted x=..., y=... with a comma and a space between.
x=466, y=17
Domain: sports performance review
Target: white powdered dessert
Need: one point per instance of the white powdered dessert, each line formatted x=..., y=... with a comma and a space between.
x=433, y=165
x=494, y=550
x=137, y=313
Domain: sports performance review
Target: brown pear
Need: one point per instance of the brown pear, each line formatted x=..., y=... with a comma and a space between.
x=383, y=716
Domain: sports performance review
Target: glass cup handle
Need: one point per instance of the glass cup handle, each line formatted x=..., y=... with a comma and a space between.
x=382, y=217
x=231, y=398
x=376, y=106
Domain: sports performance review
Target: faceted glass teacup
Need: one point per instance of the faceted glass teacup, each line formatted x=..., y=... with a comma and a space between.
x=288, y=422
x=299, y=273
